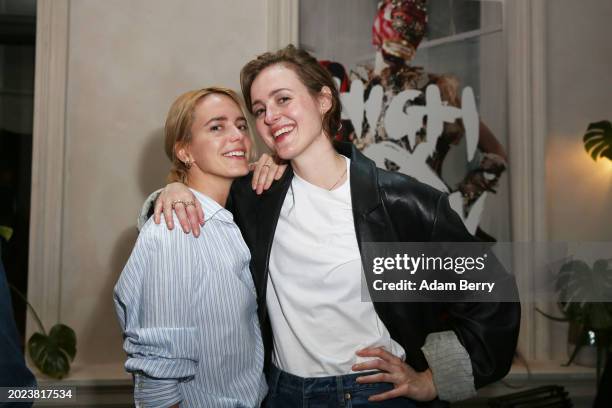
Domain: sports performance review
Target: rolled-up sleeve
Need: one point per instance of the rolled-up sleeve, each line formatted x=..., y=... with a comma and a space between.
x=162, y=352
x=154, y=301
x=155, y=392
x=486, y=331
x=450, y=366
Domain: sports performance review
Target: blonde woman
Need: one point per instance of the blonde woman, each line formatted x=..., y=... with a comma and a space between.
x=188, y=306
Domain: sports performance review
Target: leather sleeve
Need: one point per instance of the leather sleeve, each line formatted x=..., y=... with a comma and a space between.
x=487, y=330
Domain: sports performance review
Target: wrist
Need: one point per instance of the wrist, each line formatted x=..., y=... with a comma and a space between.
x=431, y=390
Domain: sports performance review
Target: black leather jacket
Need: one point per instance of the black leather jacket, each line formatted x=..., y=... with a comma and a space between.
x=391, y=207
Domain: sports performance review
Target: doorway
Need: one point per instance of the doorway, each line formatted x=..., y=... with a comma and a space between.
x=17, y=56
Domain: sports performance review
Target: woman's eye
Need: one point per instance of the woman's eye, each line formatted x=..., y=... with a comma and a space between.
x=283, y=99
x=258, y=112
x=215, y=128
x=243, y=127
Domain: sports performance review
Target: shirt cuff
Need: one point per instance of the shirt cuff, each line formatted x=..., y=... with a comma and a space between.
x=144, y=211
x=155, y=392
x=450, y=365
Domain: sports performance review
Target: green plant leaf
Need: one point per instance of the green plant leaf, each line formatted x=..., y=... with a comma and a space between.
x=6, y=232
x=577, y=284
x=52, y=354
x=598, y=140
x=65, y=338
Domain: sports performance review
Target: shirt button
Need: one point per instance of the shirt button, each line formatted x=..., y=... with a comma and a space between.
x=347, y=396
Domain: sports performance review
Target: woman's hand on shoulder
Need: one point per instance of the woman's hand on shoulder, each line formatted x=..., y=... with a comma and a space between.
x=178, y=198
x=265, y=171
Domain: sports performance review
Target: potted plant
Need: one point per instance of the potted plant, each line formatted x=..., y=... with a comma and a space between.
x=590, y=322
x=51, y=352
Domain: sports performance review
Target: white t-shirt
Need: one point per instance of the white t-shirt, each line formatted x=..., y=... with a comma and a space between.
x=314, y=287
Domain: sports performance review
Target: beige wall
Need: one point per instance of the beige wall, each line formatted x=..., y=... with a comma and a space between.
x=579, y=82
x=579, y=63
x=127, y=61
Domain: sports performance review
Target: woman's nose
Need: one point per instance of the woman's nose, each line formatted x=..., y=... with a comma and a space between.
x=237, y=134
x=272, y=116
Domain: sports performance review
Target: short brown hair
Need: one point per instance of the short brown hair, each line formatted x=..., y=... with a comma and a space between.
x=309, y=71
x=179, y=121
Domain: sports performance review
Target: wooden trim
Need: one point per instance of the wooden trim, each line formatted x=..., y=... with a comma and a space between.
x=526, y=42
x=44, y=276
x=282, y=23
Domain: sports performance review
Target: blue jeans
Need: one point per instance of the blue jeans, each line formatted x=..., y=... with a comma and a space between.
x=290, y=391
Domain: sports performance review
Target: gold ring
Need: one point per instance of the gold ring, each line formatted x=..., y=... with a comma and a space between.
x=185, y=203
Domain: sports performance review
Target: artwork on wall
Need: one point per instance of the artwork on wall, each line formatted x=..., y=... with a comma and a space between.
x=404, y=115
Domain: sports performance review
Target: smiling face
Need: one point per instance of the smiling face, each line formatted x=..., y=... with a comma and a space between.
x=220, y=142
x=288, y=117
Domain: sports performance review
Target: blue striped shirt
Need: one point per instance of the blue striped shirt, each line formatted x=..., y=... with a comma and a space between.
x=188, y=307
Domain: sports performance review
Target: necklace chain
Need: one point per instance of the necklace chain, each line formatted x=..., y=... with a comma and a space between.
x=340, y=178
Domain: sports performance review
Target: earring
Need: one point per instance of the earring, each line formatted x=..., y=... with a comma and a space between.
x=188, y=164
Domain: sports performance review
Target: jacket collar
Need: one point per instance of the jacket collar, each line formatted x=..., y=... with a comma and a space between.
x=365, y=195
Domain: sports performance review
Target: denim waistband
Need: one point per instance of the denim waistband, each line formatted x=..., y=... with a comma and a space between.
x=315, y=385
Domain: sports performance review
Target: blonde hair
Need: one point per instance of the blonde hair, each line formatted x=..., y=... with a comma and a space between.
x=179, y=121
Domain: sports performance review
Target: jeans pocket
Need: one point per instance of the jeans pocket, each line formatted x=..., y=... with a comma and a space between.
x=360, y=395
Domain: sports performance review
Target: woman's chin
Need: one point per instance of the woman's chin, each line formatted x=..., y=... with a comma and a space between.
x=285, y=152
x=236, y=173
x=233, y=172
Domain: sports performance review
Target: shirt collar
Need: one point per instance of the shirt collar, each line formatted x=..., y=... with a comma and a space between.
x=212, y=209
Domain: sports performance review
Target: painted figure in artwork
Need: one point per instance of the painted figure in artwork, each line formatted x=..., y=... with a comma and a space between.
x=407, y=119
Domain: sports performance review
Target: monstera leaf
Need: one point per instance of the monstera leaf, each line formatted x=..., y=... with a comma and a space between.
x=53, y=353
x=598, y=140
x=583, y=291
x=578, y=285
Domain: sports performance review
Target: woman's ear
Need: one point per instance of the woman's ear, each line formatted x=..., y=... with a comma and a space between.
x=182, y=153
x=325, y=100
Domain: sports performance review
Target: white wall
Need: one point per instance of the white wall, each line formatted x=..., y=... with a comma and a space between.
x=127, y=61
